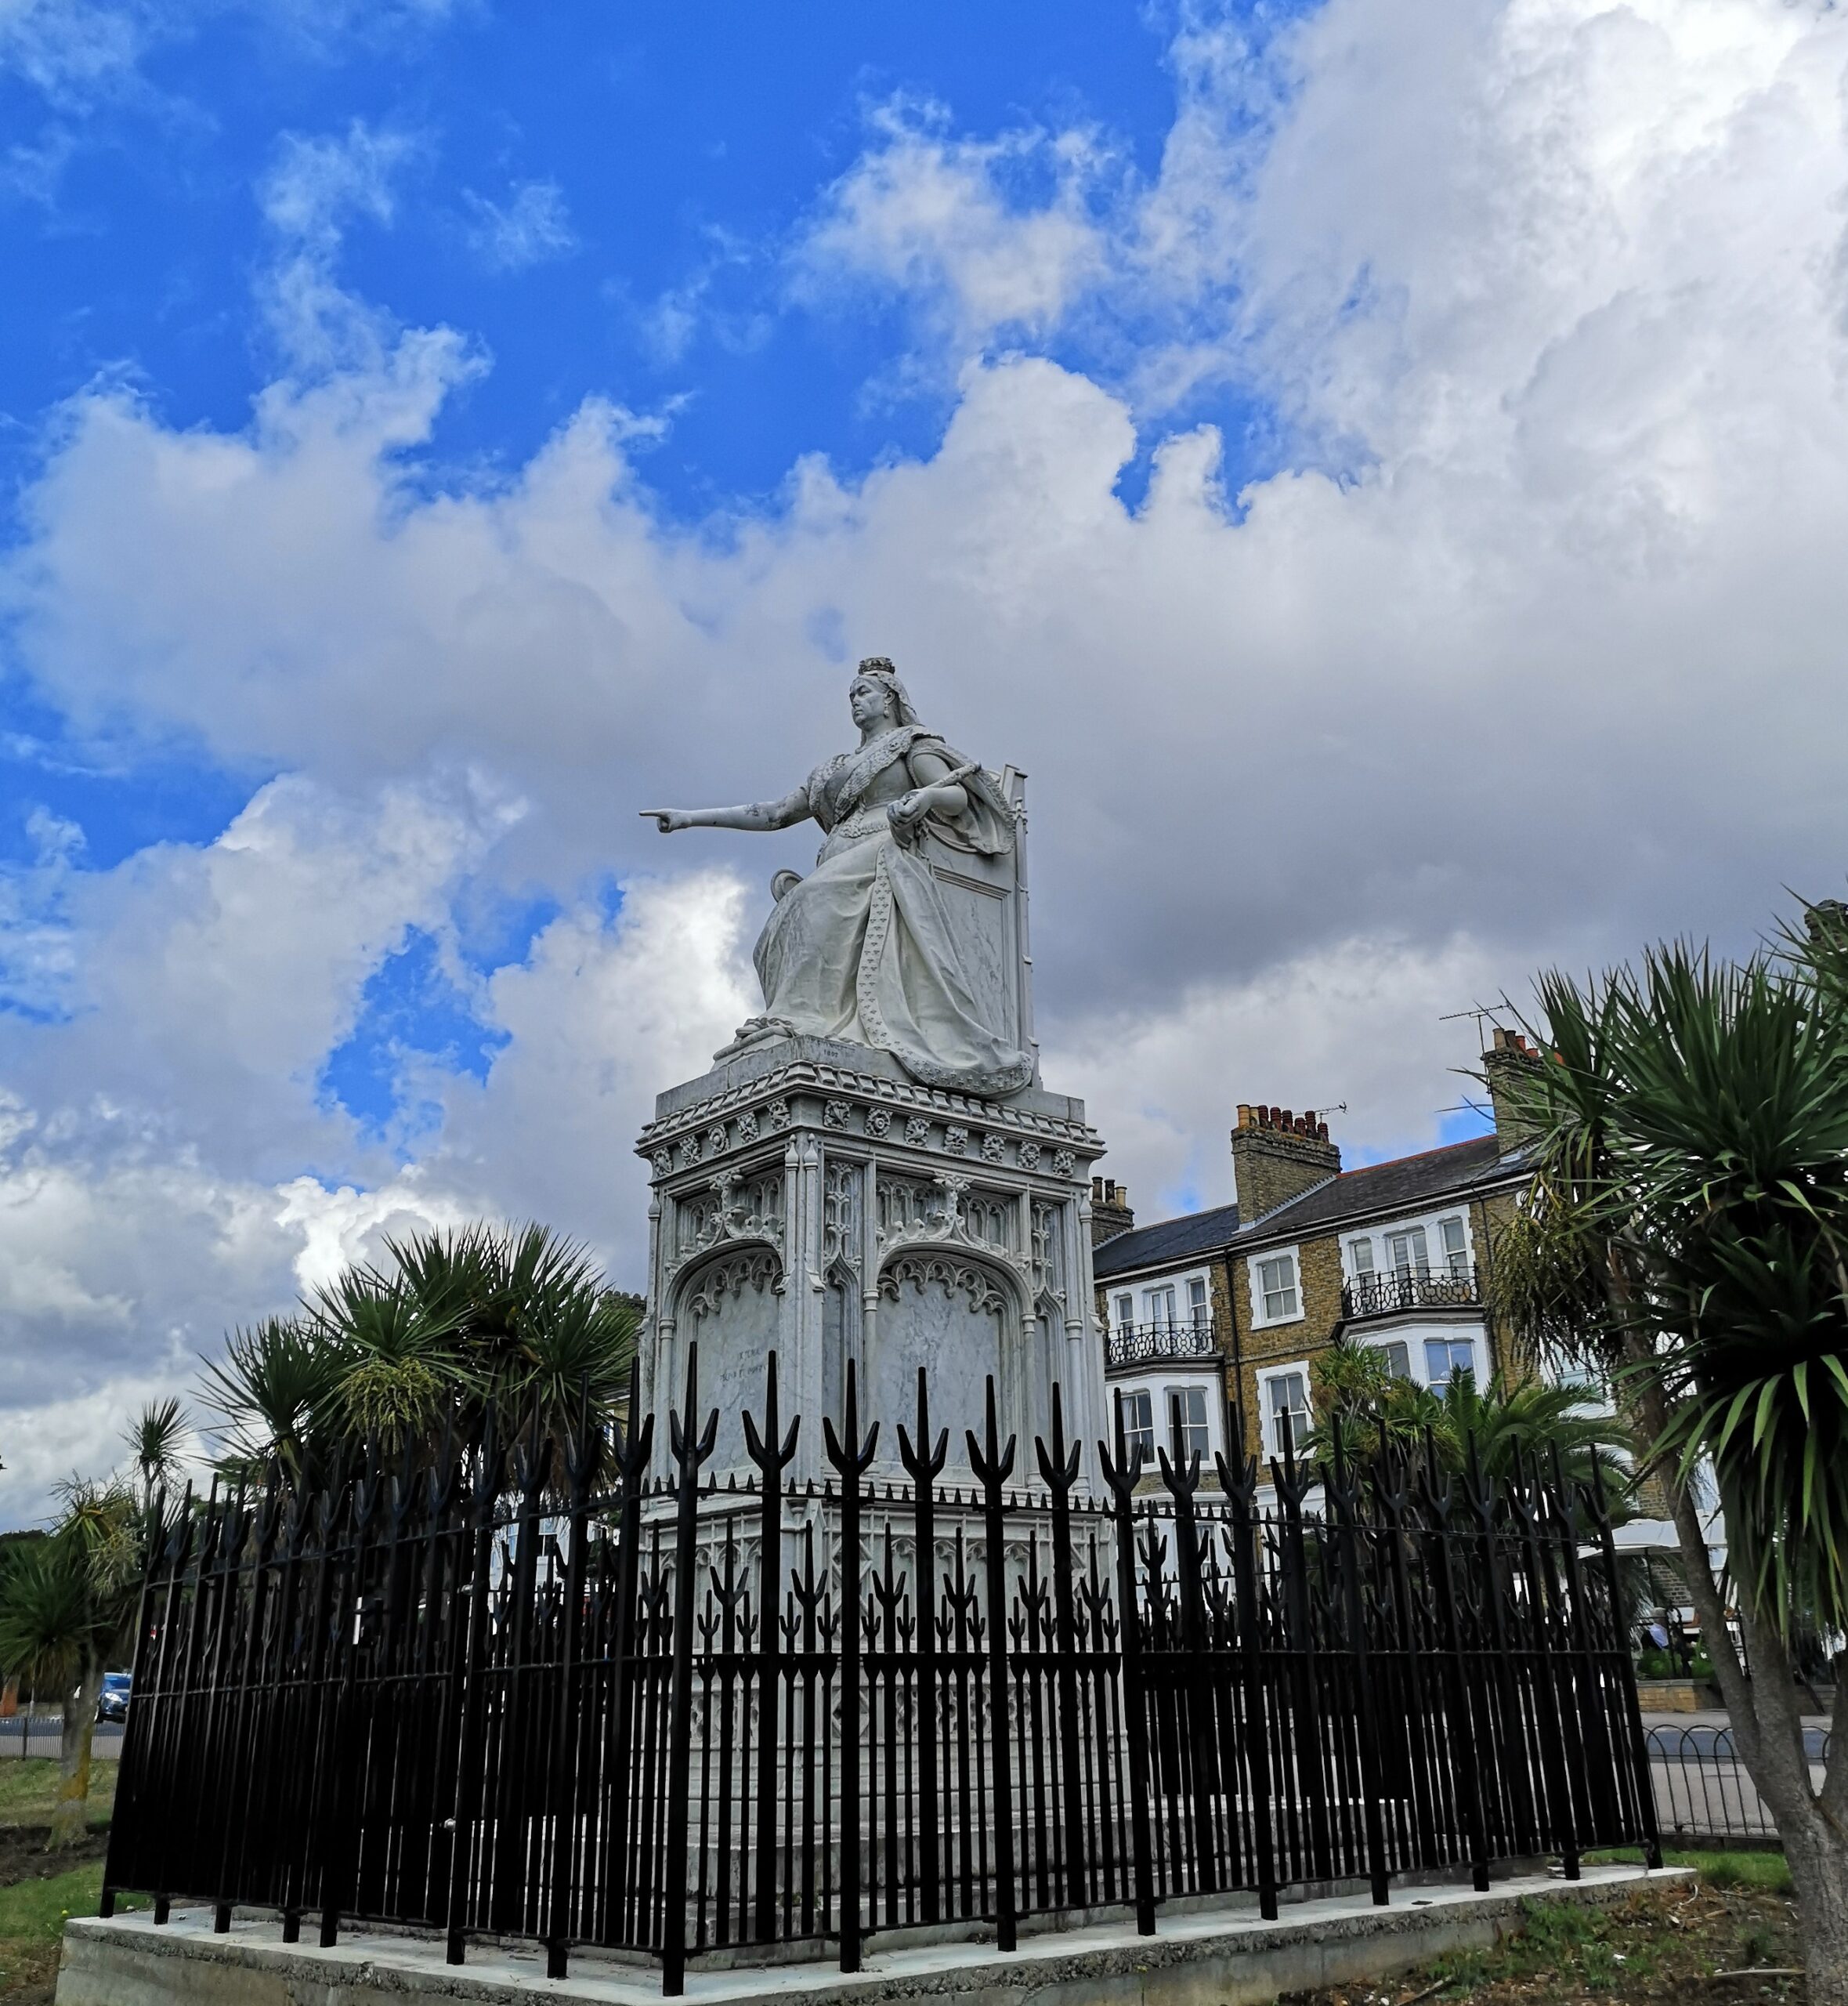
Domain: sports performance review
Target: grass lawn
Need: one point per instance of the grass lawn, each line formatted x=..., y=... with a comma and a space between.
x=36, y=1897
x=28, y=1789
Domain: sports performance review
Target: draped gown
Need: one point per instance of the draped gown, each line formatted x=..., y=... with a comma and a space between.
x=862, y=950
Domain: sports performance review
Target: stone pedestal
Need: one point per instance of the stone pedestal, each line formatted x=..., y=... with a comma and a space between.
x=811, y=1199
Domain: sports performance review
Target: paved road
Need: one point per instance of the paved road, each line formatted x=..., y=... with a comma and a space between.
x=44, y=1740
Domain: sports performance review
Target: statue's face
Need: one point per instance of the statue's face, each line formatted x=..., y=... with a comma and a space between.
x=869, y=700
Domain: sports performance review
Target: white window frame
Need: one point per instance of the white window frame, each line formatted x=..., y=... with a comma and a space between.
x=1386, y=1343
x=1254, y=1265
x=1172, y=1395
x=1281, y=1370
x=1130, y=1435
x=1436, y=1258
x=1351, y=1266
x=1122, y=1300
x=1473, y=1368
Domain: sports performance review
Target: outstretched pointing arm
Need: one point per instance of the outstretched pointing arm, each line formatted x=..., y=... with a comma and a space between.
x=761, y=816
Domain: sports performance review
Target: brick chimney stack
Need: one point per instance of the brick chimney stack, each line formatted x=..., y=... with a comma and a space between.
x=1510, y=1064
x=1277, y=1155
x=1110, y=1213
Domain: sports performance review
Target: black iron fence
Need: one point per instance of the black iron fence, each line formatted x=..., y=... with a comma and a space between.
x=1704, y=1794
x=574, y=1699
x=1389, y=1291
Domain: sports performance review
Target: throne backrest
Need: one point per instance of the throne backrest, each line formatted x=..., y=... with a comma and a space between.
x=986, y=900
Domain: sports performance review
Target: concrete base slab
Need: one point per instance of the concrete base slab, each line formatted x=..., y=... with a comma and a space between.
x=1219, y=1957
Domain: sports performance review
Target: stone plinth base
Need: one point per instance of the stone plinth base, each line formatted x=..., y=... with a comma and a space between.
x=811, y=1200
x=1218, y=1957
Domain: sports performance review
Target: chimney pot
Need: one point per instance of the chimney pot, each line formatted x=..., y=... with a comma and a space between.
x=1278, y=1154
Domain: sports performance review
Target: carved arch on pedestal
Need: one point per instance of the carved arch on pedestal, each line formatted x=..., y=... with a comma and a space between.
x=985, y=1284
x=700, y=1291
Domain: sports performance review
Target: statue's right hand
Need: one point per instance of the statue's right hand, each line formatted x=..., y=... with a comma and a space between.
x=668, y=819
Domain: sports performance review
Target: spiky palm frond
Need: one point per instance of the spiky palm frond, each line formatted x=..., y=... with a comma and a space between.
x=272, y=1389
x=1503, y=1429
x=69, y=1599
x=396, y=1364
x=46, y=1627
x=1692, y=1168
x=157, y=1441
x=1735, y=1143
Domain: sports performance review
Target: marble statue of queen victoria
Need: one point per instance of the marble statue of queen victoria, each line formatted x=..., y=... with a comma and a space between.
x=863, y=951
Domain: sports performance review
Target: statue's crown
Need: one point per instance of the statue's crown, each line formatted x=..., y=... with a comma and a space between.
x=878, y=665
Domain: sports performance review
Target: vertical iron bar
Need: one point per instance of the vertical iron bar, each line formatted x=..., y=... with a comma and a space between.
x=993, y=1468
x=1342, y=1489
x=1059, y=1471
x=771, y=1458
x=1122, y=1472
x=1241, y=1490
x=923, y=1464
x=689, y=1452
x=850, y=1460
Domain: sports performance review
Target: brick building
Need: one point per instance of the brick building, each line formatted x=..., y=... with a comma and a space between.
x=1237, y=1300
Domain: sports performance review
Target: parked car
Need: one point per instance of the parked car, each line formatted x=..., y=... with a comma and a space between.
x=112, y=1702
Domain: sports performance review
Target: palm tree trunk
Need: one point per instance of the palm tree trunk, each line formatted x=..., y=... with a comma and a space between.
x=1761, y=1703
x=70, y=1815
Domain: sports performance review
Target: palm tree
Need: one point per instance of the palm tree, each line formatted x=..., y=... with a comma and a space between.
x=66, y=1608
x=1685, y=1229
x=400, y=1355
x=1514, y=1423
x=156, y=1440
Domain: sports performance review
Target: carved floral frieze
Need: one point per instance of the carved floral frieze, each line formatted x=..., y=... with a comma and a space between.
x=729, y=1209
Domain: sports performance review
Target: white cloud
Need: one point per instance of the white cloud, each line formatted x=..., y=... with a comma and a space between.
x=72, y=49
x=530, y=227
x=1533, y=650
x=991, y=236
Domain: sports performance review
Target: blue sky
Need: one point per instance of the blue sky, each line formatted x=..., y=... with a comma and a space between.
x=567, y=170
x=1378, y=470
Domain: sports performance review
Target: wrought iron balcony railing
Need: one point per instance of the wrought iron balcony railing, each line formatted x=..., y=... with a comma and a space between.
x=1145, y=1344
x=1395, y=1289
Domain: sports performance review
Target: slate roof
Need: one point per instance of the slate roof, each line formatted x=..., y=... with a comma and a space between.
x=1170, y=1240
x=1405, y=1185
x=1402, y=1185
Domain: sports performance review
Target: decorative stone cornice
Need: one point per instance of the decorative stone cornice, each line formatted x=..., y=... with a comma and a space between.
x=843, y=1102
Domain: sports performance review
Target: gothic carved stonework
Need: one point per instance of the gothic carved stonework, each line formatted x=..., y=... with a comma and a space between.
x=992, y=1148
x=928, y=1271
x=715, y=1139
x=728, y=1208
x=879, y=1122
x=758, y=1268
x=1062, y=1163
x=1047, y=1257
x=948, y=1210
x=956, y=1141
x=840, y=1217
x=1029, y=1156
x=835, y=1113
x=918, y=1208
x=920, y=1107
